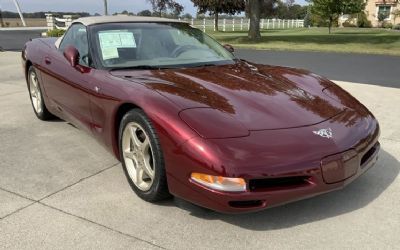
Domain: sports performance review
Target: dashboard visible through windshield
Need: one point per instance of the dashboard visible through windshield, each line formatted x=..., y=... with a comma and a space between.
x=156, y=45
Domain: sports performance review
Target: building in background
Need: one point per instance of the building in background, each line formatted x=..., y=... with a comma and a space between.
x=385, y=7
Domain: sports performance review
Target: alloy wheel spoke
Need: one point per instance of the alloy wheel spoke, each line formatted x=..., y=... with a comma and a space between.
x=34, y=101
x=147, y=169
x=34, y=79
x=134, y=137
x=35, y=93
x=38, y=105
x=129, y=154
x=144, y=145
x=139, y=175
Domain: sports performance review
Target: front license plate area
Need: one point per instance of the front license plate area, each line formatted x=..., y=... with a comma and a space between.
x=339, y=167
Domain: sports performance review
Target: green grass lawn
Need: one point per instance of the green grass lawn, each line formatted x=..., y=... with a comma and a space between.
x=346, y=40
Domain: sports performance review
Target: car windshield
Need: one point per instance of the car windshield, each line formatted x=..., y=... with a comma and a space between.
x=156, y=45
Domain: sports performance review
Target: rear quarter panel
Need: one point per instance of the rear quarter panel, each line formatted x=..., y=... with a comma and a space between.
x=34, y=52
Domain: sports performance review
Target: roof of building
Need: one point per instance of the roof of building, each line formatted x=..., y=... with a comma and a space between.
x=121, y=19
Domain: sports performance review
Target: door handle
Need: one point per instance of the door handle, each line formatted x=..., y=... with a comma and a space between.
x=47, y=60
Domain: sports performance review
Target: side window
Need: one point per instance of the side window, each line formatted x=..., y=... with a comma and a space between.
x=77, y=37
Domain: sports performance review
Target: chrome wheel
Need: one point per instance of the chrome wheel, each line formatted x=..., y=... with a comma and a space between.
x=36, y=95
x=138, y=156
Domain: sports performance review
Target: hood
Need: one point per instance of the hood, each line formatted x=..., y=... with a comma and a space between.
x=260, y=97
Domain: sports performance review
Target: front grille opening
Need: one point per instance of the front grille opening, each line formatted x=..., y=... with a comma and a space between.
x=246, y=204
x=368, y=155
x=278, y=183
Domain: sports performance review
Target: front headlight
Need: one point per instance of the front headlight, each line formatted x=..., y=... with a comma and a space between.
x=220, y=183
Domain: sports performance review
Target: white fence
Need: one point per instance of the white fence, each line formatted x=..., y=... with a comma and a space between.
x=240, y=24
x=207, y=25
x=58, y=23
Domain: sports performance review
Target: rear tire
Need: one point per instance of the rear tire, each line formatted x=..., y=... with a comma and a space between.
x=36, y=96
x=142, y=158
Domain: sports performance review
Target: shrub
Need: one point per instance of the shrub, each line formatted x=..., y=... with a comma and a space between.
x=397, y=27
x=55, y=33
x=363, y=22
x=387, y=25
x=349, y=24
x=317, y=21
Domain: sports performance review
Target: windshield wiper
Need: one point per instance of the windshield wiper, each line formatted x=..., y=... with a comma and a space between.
x=205, y=65
x=137, y=67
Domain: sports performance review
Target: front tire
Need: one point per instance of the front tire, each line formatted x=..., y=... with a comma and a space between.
x=142, y=158
x=36, y=96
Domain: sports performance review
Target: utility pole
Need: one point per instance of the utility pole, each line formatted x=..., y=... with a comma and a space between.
x=105, y=8
x=20, y=13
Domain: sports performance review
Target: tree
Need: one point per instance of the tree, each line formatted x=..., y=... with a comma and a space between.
x=330, y=10
x=396, y=14
x=381, y=18
x=362, y=20
x=308, y=18
x=216, y=7
x=290, y=10
x=161, y=6
x=187, y=16
x=255, y=10
x=144, y=13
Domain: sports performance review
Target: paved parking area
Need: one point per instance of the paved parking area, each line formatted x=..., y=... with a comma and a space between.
x=60, y=189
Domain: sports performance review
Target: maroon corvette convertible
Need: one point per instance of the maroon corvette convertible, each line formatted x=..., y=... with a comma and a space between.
x=187, y=118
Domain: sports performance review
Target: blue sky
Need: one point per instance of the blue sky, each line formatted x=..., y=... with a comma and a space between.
x=91, y=6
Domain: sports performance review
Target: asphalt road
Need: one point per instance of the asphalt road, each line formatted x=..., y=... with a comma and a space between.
x=371, y=69
x=15, y=40
x=362, y=68
x=60, y=189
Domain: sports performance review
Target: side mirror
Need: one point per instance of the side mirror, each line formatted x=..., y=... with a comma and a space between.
x=72, y=55
x=229, y=48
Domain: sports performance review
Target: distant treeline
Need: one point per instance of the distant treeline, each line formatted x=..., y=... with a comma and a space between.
x=9, y=14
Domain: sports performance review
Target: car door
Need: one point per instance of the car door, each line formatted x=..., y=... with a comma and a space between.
x=68, y=87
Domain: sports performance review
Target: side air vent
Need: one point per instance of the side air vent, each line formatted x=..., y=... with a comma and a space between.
x=368, y=155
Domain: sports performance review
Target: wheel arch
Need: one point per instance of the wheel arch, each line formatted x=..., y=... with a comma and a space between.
x=119, y=114
x=28, y=64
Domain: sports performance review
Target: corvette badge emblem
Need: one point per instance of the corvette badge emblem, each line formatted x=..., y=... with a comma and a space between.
x=325, y=132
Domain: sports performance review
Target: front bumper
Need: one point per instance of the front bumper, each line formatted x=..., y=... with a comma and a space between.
x=251, y=201
x=316, y=165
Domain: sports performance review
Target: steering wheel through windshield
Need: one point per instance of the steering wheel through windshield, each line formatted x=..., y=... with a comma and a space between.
x=183, y=48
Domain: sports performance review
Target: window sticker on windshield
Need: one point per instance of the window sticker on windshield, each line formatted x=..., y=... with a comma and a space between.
x=110, y=41
x=109, y=53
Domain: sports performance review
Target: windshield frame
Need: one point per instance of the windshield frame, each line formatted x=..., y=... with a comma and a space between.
x=94, y=47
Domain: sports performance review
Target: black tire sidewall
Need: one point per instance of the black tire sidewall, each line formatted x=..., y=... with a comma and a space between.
x=30, y=71
x=45, y=114
x=158, y=190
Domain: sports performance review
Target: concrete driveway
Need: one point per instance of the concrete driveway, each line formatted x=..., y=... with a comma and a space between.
x=60, y=189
